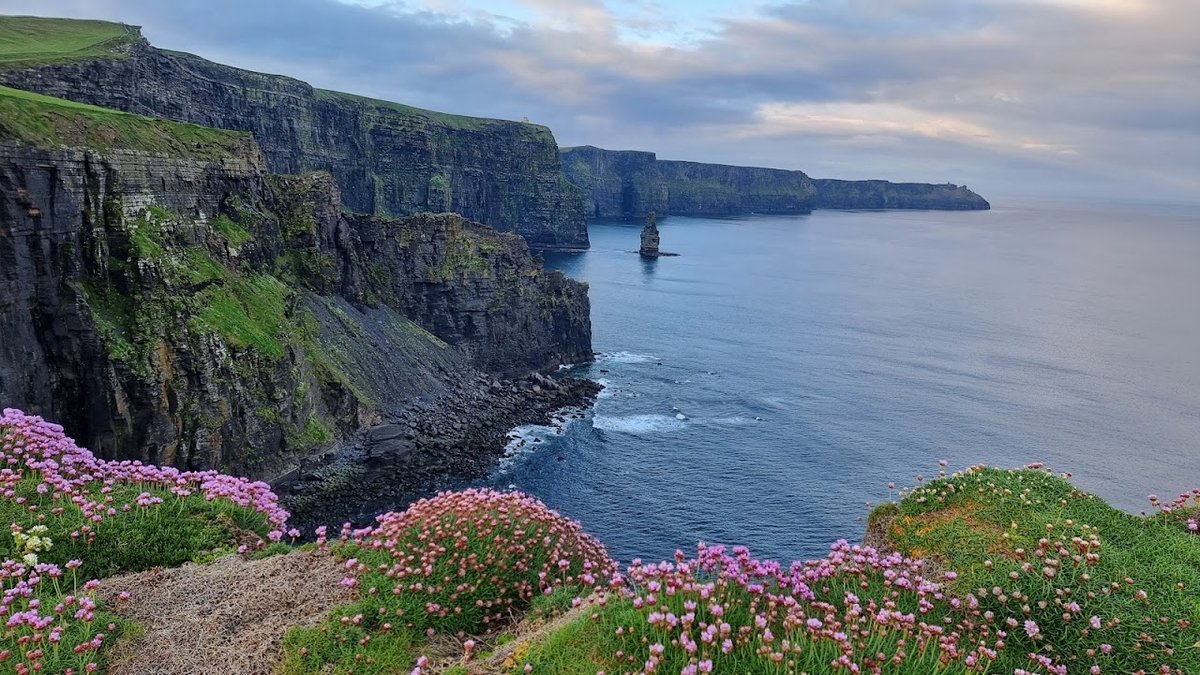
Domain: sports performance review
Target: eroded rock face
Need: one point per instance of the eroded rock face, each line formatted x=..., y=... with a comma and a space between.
x=881, y=194
x=387, y=159
x=716, y=189
x=631, y=184
x=650, y=237
x=616, y=184
x=205, y=315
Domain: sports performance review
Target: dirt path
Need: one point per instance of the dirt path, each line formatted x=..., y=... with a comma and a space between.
x=227, y=616
x=526, y=633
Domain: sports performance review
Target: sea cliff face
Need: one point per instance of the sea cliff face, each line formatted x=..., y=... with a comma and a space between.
x=616, y=184
x=204, y=314
x=881, y=194
x=388, y=159
x=717, y=189
x=631, y=184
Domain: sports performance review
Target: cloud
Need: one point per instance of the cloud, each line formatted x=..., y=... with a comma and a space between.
x=1097, y=92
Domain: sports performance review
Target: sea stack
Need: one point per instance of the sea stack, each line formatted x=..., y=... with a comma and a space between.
x=650, y=237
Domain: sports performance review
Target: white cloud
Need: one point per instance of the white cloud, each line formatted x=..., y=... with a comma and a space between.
x=991, y=91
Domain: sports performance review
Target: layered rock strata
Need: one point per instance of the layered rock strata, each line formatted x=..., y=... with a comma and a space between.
x=388, y=159
x=206, y=315
x=630, y=184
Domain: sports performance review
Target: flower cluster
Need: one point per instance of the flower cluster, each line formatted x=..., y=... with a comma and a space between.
x=1184, y=510
x=29, y=544
x=50, y=621
x=856, y=611
x=1072, y=595
x=467, y=560
x=65, y=502
x=460, y=563
x=30, y=447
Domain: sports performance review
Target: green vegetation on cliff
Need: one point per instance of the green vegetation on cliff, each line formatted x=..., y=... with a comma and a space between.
x=31, y=41
x=1030, y=544
x=417, y=115
x=386, y=157
x=980, y=571
x=52, y=122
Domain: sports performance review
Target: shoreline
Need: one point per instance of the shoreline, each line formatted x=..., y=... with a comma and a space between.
x=431, y=446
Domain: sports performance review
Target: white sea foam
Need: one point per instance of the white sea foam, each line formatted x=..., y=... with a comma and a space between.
x=637, y=424
x=736, y=420
x=626, y=357
x=529, y=437
x=607, y=391
x=524, y=440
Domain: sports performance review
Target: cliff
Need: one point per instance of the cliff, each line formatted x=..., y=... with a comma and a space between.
x=631, y=184
x=615, y=183
x=388, y=159
x=881, y=194
x=717, y=189
x=176, y=304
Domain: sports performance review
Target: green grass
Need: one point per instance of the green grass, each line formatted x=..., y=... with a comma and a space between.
x=420, y=114
x=52, y=122
x=333, y=652
x=581, y=647
x=987, y=523
x=248, y=312
x=27, y=41
x=315, y=432
x=166, y=535
x=233, y=233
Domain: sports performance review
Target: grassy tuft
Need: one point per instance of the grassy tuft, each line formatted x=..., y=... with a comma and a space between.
x=52, y=122
x=1029, y=545
x=460, y=564
x=74, y=518
x=27, y=41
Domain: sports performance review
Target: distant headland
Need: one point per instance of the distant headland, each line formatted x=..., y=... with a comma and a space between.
x=631, y=184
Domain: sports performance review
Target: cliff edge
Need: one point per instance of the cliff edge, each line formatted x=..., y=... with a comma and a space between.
x=388, y=159
x=630, y=184
x=170, y=301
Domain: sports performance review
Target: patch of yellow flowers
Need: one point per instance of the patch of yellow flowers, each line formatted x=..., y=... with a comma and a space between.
x=31, y=542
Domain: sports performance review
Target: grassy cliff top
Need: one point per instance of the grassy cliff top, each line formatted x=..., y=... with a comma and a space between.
x=53, y=122
x=28, y=41
x=444, y=119
x=34, y=41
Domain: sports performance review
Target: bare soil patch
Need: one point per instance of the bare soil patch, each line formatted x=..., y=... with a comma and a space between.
x=227, y=616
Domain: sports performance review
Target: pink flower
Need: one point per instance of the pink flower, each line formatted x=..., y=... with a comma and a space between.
x=1031, y=628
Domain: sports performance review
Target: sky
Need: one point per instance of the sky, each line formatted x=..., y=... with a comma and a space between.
x=1040, y=98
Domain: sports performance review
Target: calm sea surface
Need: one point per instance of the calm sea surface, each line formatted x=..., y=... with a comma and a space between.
x=765, y=385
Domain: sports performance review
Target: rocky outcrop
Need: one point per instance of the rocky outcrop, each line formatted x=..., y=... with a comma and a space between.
x=881, y=194
x=204, y=315
x=629, y=184
x=650, y=237
x=388, y=159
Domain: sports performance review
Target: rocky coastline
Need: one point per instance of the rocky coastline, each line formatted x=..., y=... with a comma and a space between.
x=439, y=445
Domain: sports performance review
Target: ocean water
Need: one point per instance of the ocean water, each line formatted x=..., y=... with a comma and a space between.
x=767, y=384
